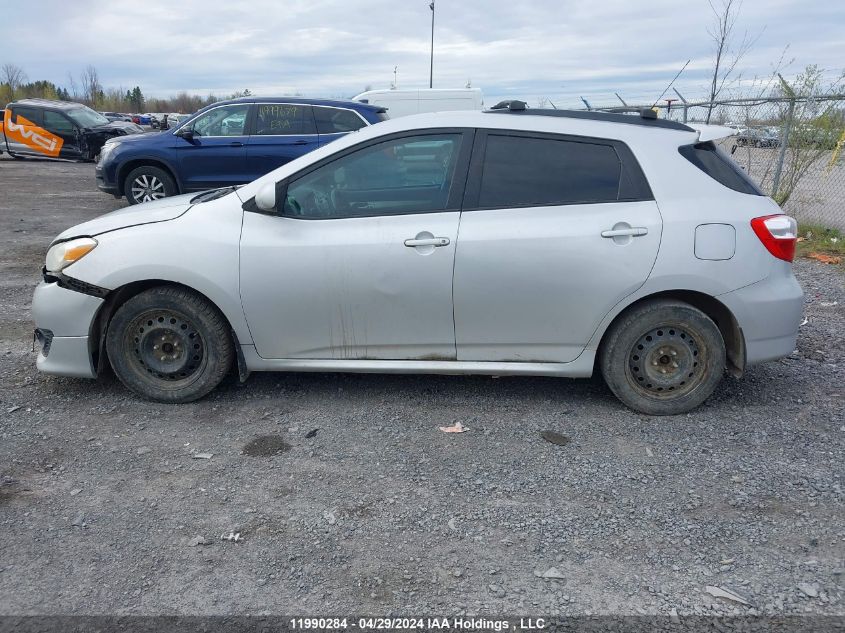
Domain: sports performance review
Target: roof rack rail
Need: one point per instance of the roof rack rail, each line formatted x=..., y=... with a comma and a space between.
x=647, y=117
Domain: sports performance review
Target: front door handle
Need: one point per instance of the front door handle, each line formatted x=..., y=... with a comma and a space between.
x=633, y=231
x=236, y=144
x=300, y=142
x=430, y=241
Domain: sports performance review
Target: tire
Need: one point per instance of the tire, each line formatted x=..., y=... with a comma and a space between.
x=663, y=357
x=147, y=183
x=169, y=344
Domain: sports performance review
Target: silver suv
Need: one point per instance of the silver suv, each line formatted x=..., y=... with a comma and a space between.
x=512, y=241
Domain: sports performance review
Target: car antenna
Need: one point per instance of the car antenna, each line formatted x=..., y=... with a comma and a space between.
x=670, y=84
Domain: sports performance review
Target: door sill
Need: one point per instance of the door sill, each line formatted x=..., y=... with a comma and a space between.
x=581, y=367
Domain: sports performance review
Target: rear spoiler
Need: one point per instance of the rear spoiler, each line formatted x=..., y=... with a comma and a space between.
x=712, y=132
x=376, y=108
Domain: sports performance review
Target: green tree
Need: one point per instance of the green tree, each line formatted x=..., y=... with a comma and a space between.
x=814, y=125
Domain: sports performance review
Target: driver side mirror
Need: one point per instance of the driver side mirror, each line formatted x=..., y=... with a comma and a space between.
x=185, y=133
x=265, y=199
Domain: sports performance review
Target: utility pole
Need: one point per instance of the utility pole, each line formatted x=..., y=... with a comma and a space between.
x=431, y=66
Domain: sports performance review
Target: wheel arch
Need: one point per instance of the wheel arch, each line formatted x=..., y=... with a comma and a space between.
x=119, y=296
x=124, y=169
x=717, y=311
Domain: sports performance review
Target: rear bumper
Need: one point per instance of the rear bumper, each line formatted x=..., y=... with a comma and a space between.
x=64, y=319
x=769, y=313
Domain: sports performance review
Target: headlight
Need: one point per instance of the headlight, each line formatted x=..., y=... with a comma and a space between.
x=63, y=255
x=106, y=149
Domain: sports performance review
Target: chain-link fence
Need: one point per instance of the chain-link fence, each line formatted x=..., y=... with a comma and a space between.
x=793, y=147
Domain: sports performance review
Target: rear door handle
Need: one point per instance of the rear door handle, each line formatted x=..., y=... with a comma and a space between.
x=633, y=231
x=431, y=241
x=300, y=142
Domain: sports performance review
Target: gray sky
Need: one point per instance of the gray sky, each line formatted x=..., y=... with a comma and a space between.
x=559, y=49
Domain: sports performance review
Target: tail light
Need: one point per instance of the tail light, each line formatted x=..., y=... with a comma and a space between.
x=778, y=234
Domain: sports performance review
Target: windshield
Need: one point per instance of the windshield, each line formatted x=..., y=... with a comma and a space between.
x=86, y=117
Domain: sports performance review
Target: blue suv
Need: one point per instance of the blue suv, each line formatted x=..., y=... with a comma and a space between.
x=227, y=143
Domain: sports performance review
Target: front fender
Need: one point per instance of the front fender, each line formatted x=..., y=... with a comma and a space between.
x=127, y=159
x=199, y=250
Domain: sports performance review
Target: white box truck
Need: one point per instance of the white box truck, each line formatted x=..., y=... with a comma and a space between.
x=402, y=102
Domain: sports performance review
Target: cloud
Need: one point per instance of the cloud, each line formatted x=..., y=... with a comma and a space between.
x=558, y=49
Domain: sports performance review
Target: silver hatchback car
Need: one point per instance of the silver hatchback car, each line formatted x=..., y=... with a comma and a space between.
x=512, y=241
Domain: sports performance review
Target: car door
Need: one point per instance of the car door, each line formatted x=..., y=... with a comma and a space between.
x=357, y=262
x=214, y=154
x=25, y=133
x=334, y=123
x=555, y=231
x=58, y=124
x=280, y=133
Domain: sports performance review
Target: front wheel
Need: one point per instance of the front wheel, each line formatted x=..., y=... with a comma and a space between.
x=169, y=344
x=148, y=183
x=663, y=357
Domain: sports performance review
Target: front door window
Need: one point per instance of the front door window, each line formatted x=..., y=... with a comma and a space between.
x=222, y=121
x=399, y=176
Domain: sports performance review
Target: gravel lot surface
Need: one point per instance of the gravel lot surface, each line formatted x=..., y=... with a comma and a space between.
x=348, y=499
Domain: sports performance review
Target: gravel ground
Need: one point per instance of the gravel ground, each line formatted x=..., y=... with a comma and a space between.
x=348, y=499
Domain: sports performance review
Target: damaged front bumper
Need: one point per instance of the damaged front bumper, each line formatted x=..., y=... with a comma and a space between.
x=63, y=322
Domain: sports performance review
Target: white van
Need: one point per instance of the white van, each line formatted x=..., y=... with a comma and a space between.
x=405, y=102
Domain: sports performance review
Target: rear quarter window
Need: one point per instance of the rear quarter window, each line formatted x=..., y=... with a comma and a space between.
x=718, y=164
x=337, y=120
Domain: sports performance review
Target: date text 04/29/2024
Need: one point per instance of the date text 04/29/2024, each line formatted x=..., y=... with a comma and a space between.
x=408, y=624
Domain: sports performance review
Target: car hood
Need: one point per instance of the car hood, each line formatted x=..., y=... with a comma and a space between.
x=155, y=137
x=147, y=213
x=114, y=127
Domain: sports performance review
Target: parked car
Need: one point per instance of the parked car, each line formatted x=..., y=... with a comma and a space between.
x=155, y=119
x=175, y=119
x=117, y=116
x=525, y=242
x=758, y=137
x=227, y=143
x=404, y=102
x=142, y=119
x=58, y=129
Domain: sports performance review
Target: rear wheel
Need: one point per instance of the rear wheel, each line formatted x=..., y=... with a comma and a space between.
x=169, y=344
x=147, y=183
x=663, y=357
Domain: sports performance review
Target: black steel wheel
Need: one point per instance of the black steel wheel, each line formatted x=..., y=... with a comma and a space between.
x=664, y=362
x=663, y=357
x=169, y=344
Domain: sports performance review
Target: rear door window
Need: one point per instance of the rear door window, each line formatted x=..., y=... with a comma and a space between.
x=33, y=115
x=337, y=120
x=283, y=119
x=717, y=164
x=521, y=171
